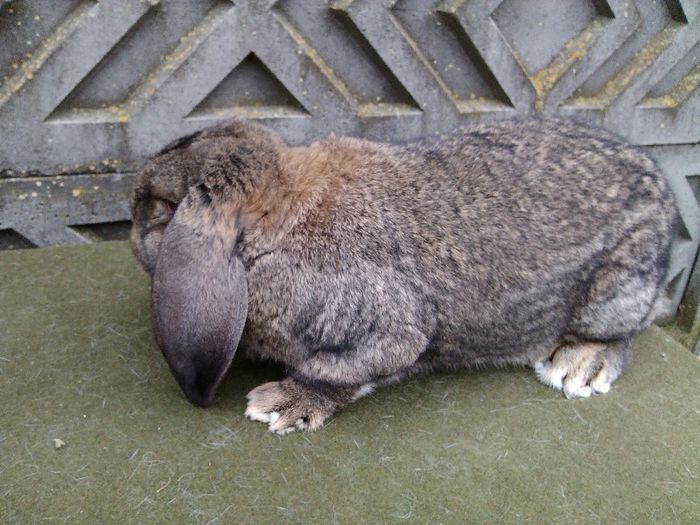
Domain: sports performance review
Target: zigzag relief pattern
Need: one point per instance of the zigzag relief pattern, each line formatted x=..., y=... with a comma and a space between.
x=575, y=31
x=677, y=87
x=432, y=64
x=455, y=63
x=93, y=87
x=354, y=66
x=659, y=51
x=153, y=47
x=24, y=55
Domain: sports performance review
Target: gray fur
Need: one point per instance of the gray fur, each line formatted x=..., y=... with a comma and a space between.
x=366, y=263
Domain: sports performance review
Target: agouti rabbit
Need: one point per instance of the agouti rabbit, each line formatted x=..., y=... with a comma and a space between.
x=535, y=242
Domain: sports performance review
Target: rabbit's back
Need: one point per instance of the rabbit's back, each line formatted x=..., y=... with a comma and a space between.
x=527, y=189
x=514, y=199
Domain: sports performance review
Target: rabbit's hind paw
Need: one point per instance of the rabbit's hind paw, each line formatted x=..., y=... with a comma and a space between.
x=584, y=369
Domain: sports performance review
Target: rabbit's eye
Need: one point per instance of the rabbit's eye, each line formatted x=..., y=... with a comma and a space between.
x=161, y=211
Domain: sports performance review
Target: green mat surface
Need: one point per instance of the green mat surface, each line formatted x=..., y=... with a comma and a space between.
x=78, y=363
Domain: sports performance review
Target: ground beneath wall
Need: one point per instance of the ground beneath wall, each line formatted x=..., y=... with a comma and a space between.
x=78, y=364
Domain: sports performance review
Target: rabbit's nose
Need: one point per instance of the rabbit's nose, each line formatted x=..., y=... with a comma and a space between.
x=198, y=381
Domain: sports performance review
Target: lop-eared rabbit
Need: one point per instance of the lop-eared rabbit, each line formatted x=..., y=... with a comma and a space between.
x=541, y=243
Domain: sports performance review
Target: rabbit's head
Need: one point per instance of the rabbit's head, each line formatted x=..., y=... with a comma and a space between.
x=190, y=205
x=166, y=178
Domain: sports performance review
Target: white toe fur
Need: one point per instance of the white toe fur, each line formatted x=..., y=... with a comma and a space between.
x=256, y=415
x=282, y=431
x=601, y=388
x=550, y=375
x=363, y=391
x=601, y=383
x=577, y=391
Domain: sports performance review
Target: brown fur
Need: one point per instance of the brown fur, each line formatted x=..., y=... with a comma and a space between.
x=363, y=263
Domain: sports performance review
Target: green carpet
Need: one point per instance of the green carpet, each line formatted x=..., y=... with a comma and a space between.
x=78, y=363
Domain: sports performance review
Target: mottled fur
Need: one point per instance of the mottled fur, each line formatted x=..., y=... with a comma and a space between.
x=364, y=262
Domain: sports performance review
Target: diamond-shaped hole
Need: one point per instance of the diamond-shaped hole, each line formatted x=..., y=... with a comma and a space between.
x=536, y=30
x=682, y=231
x=11, y=240
x=104, y=231
x=694, y=183
x=251, y=90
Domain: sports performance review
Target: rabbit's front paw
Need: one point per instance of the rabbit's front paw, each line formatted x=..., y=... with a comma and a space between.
x=584, y=369
x=288, y=405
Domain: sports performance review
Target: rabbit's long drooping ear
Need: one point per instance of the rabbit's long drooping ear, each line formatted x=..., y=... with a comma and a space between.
x=199, y=299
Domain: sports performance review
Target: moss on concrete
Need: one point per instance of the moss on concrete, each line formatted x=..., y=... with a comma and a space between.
x=78, y=364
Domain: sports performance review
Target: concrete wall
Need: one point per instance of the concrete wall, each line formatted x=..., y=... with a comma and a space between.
x=89, y=88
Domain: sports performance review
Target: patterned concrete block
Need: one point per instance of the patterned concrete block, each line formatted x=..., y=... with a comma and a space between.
x=90, y=88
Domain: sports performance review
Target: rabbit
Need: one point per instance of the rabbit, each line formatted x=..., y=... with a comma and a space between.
x=534, y=242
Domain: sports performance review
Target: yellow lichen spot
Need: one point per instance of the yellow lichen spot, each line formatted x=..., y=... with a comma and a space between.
x=77, y=192
x=665, y=101
x=679, y=93
x=639, y=63
x=546, y=78
x=121, y=113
